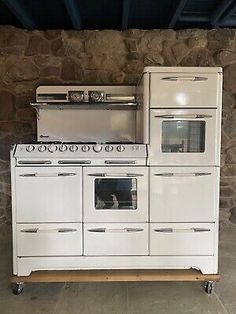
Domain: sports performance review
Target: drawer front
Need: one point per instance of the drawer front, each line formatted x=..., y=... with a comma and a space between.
x=184, y=194
x=48, y=194
x=49, y=239
x=182, y=239
x=115, y=239
x=173, y=90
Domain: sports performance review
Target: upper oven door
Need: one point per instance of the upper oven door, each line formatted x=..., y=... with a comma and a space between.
x=48, y=194
x=188, y=137
x=115, y=194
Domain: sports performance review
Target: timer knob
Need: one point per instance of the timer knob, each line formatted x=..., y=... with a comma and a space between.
x=73, y=148
x=85, y=148
x=62, y=148
x=97, y=148
x=109, y=148
x=42, y=148
x=52, y=148
x=120, y=148
x=30, y=148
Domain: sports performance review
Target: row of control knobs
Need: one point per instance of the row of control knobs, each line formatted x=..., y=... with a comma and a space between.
x=73, y=148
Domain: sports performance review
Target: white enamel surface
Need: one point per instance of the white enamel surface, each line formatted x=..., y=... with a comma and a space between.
x=115, y=240
x=47, y=197
x=211, y=154
x=106, y=215
x=47, y=241
x=183, y=91
x=182, y=241
x=184, y=194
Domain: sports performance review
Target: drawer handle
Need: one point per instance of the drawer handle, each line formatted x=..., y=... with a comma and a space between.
x=119, y=162
x=190, y=230
x=117, y=175
x=183, y=116
x=34, y=162
x=187, y=174
x=185, y=78
x=38, y=230
x=118, y=230
x=48, y=175
x=73, y=162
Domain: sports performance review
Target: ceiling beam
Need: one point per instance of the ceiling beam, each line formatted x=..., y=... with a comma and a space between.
x=219, y=11
x=21, y=13
x=228, y=14
x=177, y=13
x=194, y=18
x=125, y=13
x=73, y=11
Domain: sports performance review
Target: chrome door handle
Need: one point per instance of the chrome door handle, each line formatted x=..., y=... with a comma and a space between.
x=38, y=230
x=116, y=230
x=183, y=116
x=73, y=162
x=114, y=97
x=116, y=175
x=34, y=162
x=189, y=230
x=185, y=78
x=48, y=175
x=120, y=162
x=190, y=174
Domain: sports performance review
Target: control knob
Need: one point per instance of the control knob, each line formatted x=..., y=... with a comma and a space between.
x=52, y=148
x=109, y=148
x=73, y=148
x=97, y=148
x=30, y=148
x=42, y=148
x=120, y=148
x=62, y=148
x=85, y=148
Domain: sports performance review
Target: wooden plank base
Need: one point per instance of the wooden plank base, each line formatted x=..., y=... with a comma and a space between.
x=116, y=275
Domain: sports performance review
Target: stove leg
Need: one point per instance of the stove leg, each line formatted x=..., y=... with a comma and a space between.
x=17, y=288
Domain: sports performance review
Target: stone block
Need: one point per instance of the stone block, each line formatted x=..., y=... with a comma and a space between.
x=11, y=36
x=58, y=48
x=232, y=217
x=52, y=34
x=153, y=59
x=71, y=70
x=133, y=66
x=37, y=46
x=25, y=70
x=230, y=78
x=7, y=110
x=221, y=39
x=151, y=41
x=225, y=57
x=180, y=50
x=50, y=71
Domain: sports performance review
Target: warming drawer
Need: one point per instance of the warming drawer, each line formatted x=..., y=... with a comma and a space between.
x=184, y=194
x=179, y=90
x=49, y=239
x=115, y=239
x=182, y=239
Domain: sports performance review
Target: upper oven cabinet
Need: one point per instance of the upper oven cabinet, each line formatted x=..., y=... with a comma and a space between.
x=181, y=90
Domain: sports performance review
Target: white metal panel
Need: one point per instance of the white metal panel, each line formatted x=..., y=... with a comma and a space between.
x=182, y=239
x=211, y=155
x=179, y=90
x=116, y=239
x=91, y=214
x=184, y=194
x=49, y=239
x=48, y=194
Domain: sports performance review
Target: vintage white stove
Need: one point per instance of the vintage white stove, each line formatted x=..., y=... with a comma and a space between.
x=142, y=189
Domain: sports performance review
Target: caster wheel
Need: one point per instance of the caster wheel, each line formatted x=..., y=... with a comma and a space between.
x=209, y=287
x=17, y=288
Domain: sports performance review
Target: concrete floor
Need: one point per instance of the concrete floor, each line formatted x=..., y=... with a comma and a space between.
x=102, y=298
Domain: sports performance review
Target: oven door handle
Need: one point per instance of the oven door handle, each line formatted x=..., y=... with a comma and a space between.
x=119, y=162
x=183, y=116
x=48, y=175
x=58, y=230
x=34, y=162
x=182, y=174
x=189, y=230
x=116, y=175
x=115, y=230
x=73, y=162
x=185, y=78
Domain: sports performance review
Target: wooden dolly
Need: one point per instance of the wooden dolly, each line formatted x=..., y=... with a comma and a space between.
x=114, y=275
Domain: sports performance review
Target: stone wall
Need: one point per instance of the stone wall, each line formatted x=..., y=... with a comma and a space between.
x=28, y=59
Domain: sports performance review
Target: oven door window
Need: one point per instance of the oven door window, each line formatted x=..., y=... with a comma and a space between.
x=116, y=194
x=181, y=136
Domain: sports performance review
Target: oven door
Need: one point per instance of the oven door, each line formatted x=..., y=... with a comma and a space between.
x=184, y=137
x=115, y=194
x=48, y=194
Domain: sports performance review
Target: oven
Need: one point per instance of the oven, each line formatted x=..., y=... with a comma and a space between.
x=184, y=137
x=115, y=194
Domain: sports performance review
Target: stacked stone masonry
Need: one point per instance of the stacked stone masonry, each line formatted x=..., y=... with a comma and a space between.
x=31, y=58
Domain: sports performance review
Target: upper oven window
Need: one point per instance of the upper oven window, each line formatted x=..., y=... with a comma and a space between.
x=181, y=136
x=116, y=194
